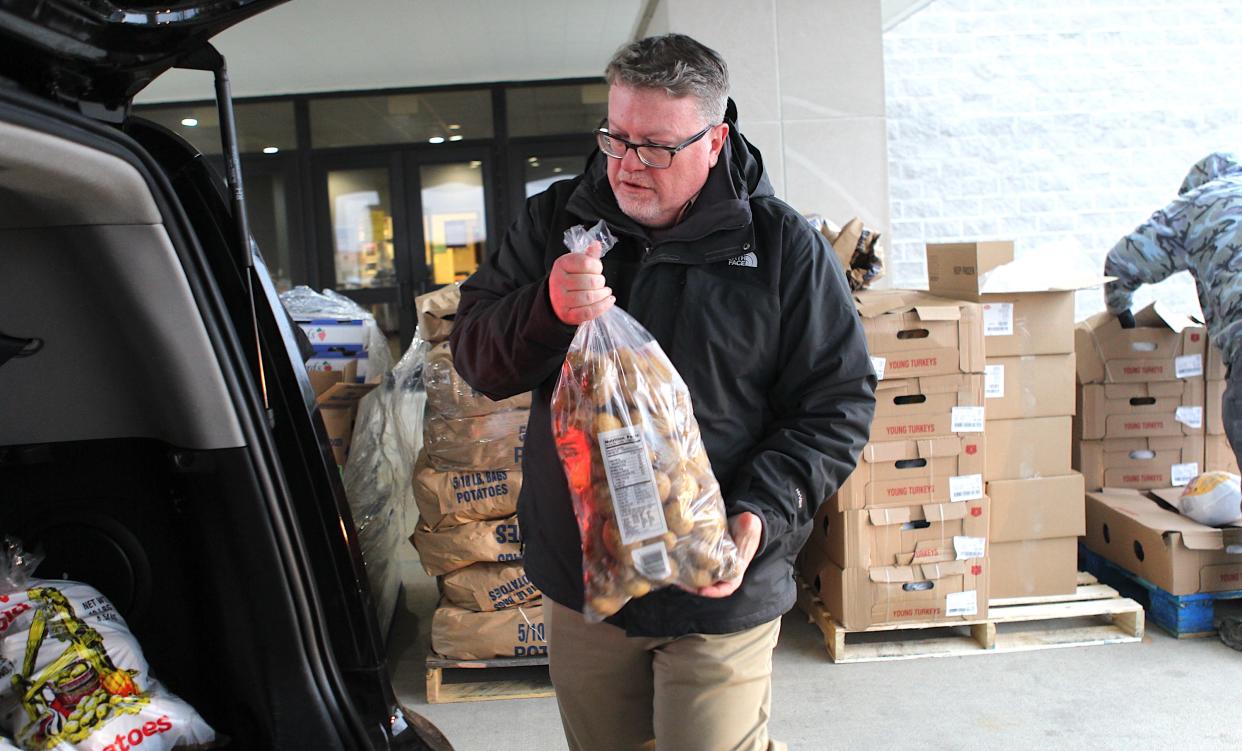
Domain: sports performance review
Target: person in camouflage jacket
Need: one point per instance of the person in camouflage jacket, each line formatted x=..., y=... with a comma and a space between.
x=1199, y=232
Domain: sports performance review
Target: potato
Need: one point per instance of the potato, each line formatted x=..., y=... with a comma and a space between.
x=605, y=422
x=678, y=519
x=637, y=587
x=683, y=488
x=606, y=605
x=698, y=578
x=664, y=485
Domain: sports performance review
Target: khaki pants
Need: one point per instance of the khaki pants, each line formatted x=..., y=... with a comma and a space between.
x=701, y=692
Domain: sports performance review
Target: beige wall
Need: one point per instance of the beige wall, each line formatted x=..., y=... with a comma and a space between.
x=808, y=79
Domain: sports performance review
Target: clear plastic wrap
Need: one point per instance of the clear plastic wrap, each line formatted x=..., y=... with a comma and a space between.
x=449, y=549
x=302, y=302
x=449, y=396
x=649, y=509
x=378, y=474
x=1212, y=498
x=74, y=677
x=491, y=441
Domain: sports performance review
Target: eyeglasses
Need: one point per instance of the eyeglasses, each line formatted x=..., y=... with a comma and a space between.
x=651, y=154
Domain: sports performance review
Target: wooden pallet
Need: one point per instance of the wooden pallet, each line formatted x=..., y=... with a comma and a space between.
x=489, y=680
x=1120, y=621
x=1182, y=616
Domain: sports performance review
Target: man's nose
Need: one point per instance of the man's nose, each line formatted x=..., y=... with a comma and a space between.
x=630, y=162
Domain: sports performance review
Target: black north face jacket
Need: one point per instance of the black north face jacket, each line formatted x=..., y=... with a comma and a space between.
x=752, y=308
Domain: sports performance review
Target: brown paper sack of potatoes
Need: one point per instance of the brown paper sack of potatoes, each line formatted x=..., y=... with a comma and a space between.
x=492, y=441
x=456, y=497
x=489, y=586
x=448, y=395
x=650, y=512
x=462, y=634
x=445, y=550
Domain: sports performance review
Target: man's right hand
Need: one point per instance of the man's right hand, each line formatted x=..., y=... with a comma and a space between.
x=577, y=288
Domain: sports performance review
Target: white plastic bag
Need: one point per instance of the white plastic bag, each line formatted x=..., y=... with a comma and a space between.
x=1212, y=498
x=73, y=678
x=649, y=509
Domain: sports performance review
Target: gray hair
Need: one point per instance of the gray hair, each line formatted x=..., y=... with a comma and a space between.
x=679, y=65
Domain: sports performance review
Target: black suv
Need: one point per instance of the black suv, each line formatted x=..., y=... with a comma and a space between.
x=158, y=436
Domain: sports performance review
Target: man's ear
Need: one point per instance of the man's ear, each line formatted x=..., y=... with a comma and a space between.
x=719, y=134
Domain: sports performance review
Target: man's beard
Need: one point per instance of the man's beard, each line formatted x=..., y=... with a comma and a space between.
x=645, y=212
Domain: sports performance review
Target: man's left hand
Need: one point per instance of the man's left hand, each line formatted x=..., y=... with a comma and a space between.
x=746, y=529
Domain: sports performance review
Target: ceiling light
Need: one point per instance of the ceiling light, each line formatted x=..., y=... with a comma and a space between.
x=189, y=122
x=475, y=164
x=436, y=139
x=534, y=164
x=454, y=126
x=558, y=170
x=270, y=150
x=456, y=138
x=533, y=160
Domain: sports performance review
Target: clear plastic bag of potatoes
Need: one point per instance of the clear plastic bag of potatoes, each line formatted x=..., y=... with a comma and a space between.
x=649, y=509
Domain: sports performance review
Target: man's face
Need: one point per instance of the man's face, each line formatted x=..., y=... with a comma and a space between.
x=655, y=197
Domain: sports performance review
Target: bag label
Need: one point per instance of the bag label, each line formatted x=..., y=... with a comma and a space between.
x=961, y=603
x=998, y=319
x=1188, y=366
x=1182, y=474
x=994, y=382
x=1191, y=417
x=635, y=500
x=967, y=420
x=652, y=561
x=878, y=363
x=965, y=488
x=969, y=547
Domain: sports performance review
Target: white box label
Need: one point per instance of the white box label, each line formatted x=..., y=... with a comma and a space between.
x=969, y=547
x=961, y=603
x=994, y=382
x=1188, y=366
x=1182, y=474
x=998, y=319
x=965, y=488
x=878, y=363
x=967, y=420
x=631, y=482
x=1191, y=417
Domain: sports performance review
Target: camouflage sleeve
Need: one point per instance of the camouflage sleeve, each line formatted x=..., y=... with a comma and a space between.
x=1151, y=253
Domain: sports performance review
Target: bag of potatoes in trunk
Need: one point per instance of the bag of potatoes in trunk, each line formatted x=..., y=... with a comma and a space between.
x=445, y=550
x=456, y=497
x=489, y=586
x=650, y=513
x=488, y=441
x=448, y=395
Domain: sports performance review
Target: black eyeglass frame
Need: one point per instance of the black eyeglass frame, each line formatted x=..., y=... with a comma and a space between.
x=601, y=131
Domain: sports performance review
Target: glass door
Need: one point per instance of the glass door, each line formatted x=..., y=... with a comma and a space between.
x=536, y=164
x=363, y=237
x=456, y=218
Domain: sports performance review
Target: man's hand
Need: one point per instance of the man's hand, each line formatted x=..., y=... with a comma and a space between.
x=576, y=287
x=746, y=529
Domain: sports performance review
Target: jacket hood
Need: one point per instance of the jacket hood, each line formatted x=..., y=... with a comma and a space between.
x=1211, y=167
x=738, y=177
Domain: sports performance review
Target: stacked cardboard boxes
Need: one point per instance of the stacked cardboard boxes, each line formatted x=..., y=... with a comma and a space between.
x=1149, y=402
x=905, y=537
x=1036, y=498
x=466, y=485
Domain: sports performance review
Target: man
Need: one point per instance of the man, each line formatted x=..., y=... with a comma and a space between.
x=1199, y=232
x=751, y=307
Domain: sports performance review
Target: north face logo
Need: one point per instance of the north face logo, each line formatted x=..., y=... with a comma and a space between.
x=748, y=259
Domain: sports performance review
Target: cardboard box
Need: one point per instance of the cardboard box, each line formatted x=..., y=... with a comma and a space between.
x=1213, y=407
x=328, y=362
x=903, y=536
x=1034, y=568
x=928, y=406
x=344, y=334
x=1029, y=386
x=949, y=592
x=1216, y=365
x=1173, y=552
x=1021, y=449
x=1141, y=410
x=927, y=470
x=1162, y=347
x=1017, y=321
x=338, y=406
x=912, y=334
x=1036, y=509
x=1140, y=463
x=1219, y=455
x=322, y=380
